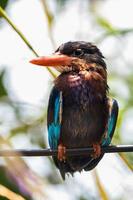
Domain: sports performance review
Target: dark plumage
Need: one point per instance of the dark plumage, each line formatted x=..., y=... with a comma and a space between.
x=84, y=91
x=82, y=117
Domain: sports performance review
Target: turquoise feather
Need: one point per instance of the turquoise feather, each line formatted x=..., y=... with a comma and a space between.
x=111, y=125
x=54, y=128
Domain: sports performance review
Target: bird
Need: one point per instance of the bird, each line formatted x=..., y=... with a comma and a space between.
x=81, y=113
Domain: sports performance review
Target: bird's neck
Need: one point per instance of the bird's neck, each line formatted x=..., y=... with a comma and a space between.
x=77, y=90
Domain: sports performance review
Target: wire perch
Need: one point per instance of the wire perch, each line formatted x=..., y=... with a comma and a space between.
x=69, y=152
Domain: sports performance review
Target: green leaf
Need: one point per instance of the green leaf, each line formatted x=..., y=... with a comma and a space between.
x=3, y=91
x=126, y=31
x=104, y=23
x=110, y=29
x=48, y=13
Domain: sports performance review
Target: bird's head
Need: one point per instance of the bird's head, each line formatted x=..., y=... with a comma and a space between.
x=73, y=56
x=77, y=61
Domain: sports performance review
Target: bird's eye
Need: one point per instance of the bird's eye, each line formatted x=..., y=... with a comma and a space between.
x=91, y=69
x=78, y=52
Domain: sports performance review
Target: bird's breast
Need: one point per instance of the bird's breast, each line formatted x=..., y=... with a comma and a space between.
x=83, y=127
x=85, y=110
x=81, y=87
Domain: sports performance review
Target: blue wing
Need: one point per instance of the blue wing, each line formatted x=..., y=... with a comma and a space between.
x=113, y=113
x=53, y=119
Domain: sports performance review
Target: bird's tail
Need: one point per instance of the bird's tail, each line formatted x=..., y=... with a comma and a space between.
x=74, y=164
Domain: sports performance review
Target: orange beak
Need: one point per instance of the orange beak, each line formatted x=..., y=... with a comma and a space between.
x=54, y=60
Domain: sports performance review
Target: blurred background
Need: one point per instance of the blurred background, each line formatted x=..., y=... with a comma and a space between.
x=25, y=89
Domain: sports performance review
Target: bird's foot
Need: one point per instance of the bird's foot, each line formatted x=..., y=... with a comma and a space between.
x=97, y=150
x=61, y=153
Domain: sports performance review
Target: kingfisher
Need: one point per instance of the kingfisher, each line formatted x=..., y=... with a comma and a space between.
x=80, y=112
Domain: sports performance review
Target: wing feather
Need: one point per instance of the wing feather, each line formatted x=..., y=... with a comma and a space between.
x=112, y=119
x=53, y=118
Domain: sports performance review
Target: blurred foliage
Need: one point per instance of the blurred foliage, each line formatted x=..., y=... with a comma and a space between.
x=3, y=91
x=30, y=126
x=61, y=3
x=48, y=13
x=3, y=3
x=100, y=187
x=110, y=30
x=7, y=180
x=22, y=36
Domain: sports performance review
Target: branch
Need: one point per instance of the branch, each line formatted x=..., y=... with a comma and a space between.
x=69, y=152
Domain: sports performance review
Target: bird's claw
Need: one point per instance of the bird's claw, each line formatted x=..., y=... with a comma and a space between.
x=97, y=150
x=61, y=153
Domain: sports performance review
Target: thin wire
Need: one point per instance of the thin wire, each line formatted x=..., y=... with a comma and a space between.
x=69, y=152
